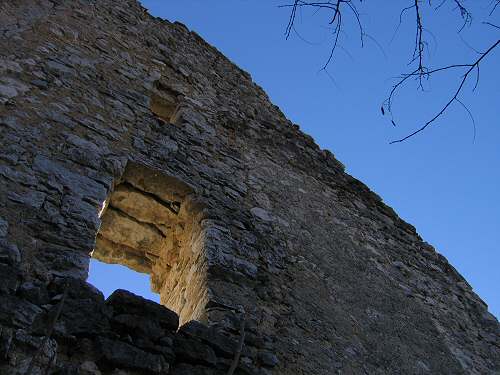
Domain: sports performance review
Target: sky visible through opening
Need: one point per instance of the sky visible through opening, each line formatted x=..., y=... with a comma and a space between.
x=445, y=181
x=109, y=277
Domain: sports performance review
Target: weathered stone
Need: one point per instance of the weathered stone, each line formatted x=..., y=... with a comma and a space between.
x=167, y=351
x=142, y=207
x=110, y=252
x=36, y=294
x=193, y=351
x=33, y=199
x=124, y=302
x=139, y=325
x=66, y=261
x=68, y=370
x=45, y=348
x=268, y=359
x=9, y=253
x=17, y=176
x=84, y=213
x=149, y=233
x=261, y=214
x=4, y=227
x=6, y=336
x=17, y=312
x=6, y=65
x=164, y=103
x=224, y=346
x=75, y=183
x=89, y=368
x=120, y=228
x=167, y=188
x=185, y=369
x=83, y=312
x=9, y=279
x=120, y=354
x=10, y=88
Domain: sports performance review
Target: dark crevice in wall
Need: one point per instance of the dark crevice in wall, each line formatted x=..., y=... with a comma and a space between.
x=164, y=102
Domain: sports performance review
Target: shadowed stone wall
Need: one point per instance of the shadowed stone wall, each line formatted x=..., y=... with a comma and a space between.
x=250, y=215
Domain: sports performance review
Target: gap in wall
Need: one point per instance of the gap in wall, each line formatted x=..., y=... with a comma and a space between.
x=109, y=277
x=149, y=231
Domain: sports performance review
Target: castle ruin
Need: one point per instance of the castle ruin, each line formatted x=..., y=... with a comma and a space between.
x=129, y=139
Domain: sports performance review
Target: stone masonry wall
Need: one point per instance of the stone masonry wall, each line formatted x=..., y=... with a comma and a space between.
x=124, y=334
x=263, y=221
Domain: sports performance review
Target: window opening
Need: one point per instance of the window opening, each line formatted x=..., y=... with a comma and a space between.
x=150, y=224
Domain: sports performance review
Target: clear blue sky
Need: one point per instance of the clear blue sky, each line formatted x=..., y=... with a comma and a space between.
x=442, y=181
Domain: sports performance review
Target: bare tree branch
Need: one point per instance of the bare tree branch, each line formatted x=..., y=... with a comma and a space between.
x=464, y=12
x=497, y=2
x=454, y=98
x=492, y=25
x=336, y=9
x=339, y=9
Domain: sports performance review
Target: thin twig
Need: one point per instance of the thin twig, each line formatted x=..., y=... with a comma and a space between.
x=418, y=52
x=340, y=10
x=455, y=95
x=491, y=24
x=336, y=20
x=497, y=3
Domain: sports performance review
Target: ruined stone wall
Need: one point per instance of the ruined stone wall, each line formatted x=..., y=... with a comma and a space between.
x=241, y=212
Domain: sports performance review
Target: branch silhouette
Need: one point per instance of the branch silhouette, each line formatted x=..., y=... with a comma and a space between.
x=342, y=11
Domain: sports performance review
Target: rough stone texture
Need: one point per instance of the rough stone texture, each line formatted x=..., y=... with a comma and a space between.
x=124, y=334
x=102, y=105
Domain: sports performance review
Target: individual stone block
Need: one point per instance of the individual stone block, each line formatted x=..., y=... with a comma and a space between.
x=224, y=346
x=163, y=103
x=164, y=346
x=167, y=188
x=143, y=206
x=139, y=325
x=6, y=335
x=17, y=312
x=9, y=253
x=124, y=302
x=185, y=369
x=83, y=313
x=123, y=355
x=123, y=229
x=10, y=278
x=192, y=351
x=36, y=294
x=110, y=252
x=76, y=184
x=268, y=359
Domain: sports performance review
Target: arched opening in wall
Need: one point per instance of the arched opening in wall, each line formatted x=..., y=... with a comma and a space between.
x=149, y=224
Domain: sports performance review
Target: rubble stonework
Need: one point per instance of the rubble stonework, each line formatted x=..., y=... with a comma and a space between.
x=128, y=138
